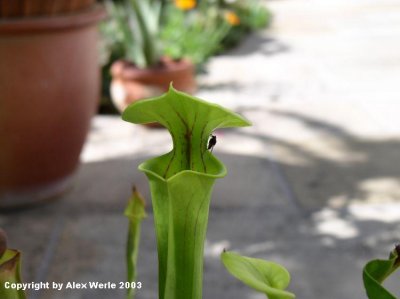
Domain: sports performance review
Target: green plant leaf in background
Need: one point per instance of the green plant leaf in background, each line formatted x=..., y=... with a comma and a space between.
x=376, y=271
x=144, y=19
x=135, y=25
x=195, y=35
x=266, y=277
x=9, y=270
x=181, y=183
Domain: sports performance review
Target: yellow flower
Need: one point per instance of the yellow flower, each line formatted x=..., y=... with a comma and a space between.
x=185, y=4
x=232, y=18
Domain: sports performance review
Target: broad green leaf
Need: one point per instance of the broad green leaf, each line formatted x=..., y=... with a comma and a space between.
x=266, y=277
x=135, y=212
x=181, y=183
x=376, y=271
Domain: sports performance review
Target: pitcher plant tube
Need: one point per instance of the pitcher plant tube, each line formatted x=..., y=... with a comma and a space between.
x=181, y=183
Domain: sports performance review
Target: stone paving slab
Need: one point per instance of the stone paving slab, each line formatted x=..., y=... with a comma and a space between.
x=29, y=231
x=330, y=157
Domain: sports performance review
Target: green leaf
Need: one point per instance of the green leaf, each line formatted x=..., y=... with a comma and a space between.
x=181, y=183
x=266, y=277
x=138, y=26
x=376, y=271
x=10, y=272
x=147, y=17
x=135, y=212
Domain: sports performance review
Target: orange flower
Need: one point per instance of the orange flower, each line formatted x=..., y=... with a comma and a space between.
x=232, y=18
x=185, y=4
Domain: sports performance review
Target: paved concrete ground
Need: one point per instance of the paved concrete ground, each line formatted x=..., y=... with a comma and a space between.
x=314, y=184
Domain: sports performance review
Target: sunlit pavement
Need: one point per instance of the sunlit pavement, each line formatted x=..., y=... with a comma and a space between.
x=314, y=184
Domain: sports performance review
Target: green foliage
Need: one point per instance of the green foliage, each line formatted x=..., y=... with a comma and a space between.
x=253, y=16
x=376, y=271
x=135, y=212
x=195, y=35
x=147, y=29
x=181, y=183
x=266, y=277
x=205, y=31
x=135, y=26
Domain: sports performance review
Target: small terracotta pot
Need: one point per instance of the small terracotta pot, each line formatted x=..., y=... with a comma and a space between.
x=49, y=90
x=130, y=83
x=27, y=8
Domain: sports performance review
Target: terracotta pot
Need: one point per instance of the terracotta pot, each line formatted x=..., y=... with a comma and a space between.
x=24, y=8
x=130, y=84
x=49, y=90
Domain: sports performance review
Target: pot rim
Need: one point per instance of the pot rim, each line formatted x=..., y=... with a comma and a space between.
x=127, y=70
x=39, y=24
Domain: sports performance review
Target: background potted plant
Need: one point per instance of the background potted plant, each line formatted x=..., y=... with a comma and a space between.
x=161, y=40
x=49, y=89
x=145, y=71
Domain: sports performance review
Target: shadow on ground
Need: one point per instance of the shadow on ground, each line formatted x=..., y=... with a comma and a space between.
x=260, y=44
x=336, y=166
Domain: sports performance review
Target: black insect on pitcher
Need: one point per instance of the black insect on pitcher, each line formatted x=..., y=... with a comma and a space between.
x=212, y=142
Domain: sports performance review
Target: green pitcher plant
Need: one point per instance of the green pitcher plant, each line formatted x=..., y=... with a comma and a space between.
x=135, y=212
x=181, y=183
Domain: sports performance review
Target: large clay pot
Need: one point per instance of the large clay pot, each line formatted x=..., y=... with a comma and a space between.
x=24, y=8
x=49, y=90
x=130, y=83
